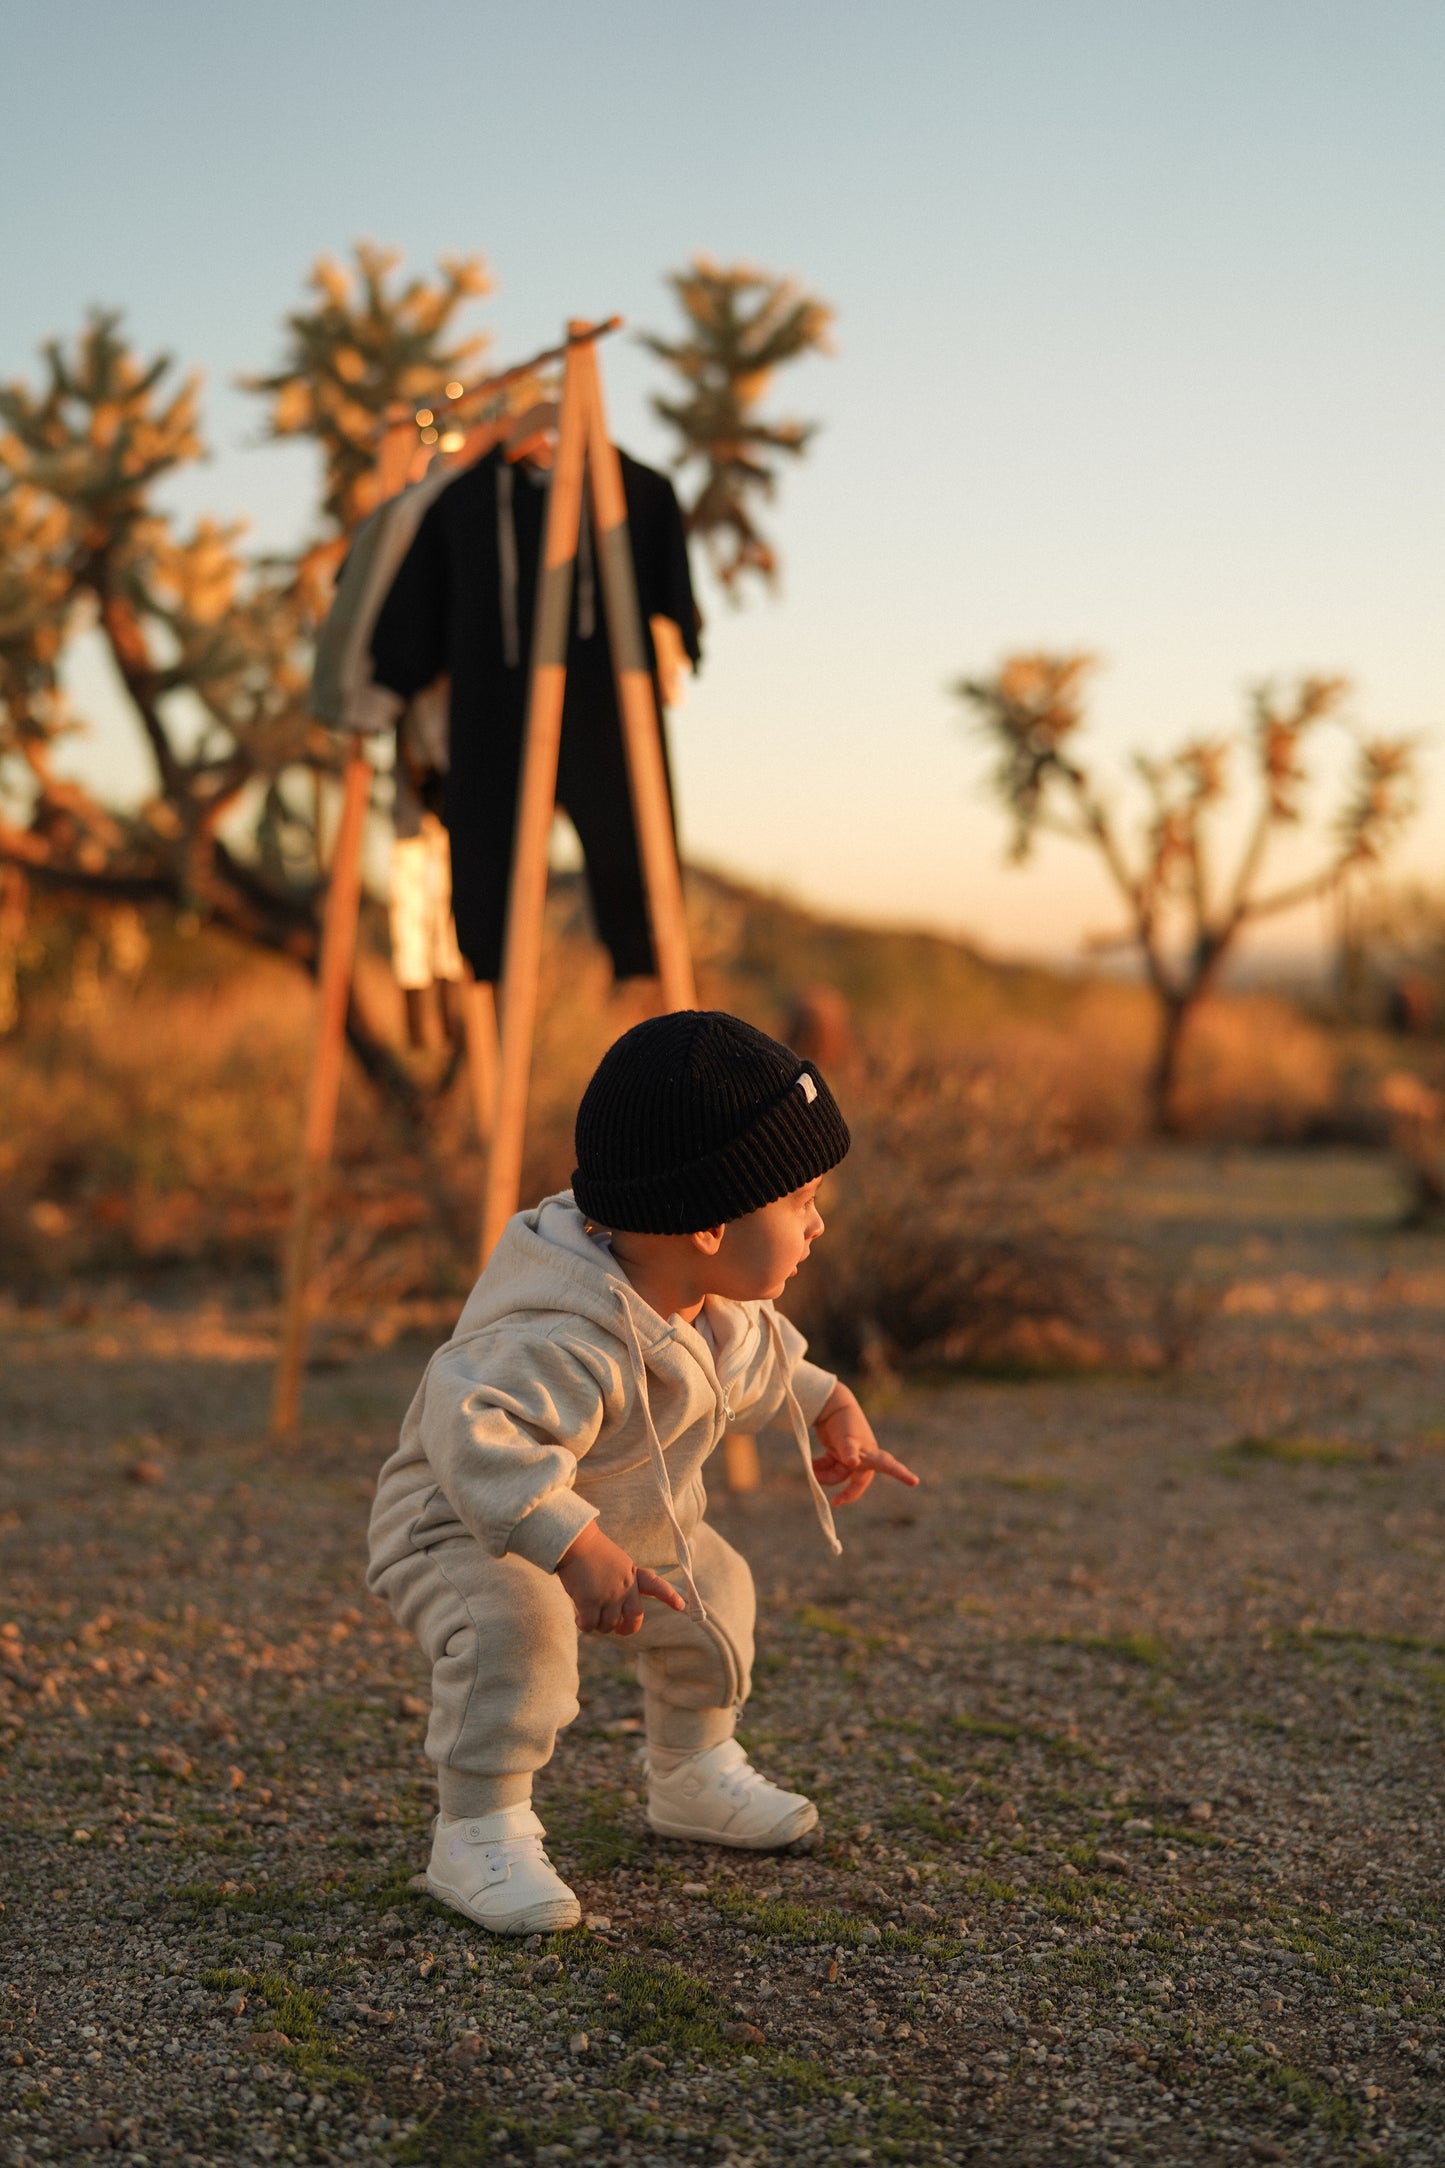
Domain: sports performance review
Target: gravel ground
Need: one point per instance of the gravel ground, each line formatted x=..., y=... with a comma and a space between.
x=1125, y=1729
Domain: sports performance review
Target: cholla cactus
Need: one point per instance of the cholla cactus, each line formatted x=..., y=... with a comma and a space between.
x=366, y=349
x=743, y=325
x=211, y=647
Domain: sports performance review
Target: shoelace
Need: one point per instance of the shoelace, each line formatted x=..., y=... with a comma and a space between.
x=512, y=1847
x=737, y=1783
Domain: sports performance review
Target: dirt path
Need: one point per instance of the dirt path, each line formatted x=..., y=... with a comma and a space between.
x=1126, y=1731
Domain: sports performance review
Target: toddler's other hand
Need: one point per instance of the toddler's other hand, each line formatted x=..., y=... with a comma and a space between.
x=851, y=1454
x=606, y=1587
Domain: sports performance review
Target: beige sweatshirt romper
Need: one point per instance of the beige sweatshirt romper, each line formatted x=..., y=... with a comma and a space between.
x=562, y=1398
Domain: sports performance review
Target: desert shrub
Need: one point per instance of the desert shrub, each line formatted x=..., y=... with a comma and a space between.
x=940, y=1248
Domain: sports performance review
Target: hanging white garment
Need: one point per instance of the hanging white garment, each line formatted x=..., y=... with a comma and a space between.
x=423, y=936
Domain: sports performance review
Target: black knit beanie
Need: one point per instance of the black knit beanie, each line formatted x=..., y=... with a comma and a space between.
x=696, y=1118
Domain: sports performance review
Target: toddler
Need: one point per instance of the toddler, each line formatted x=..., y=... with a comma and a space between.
x=549, y=1474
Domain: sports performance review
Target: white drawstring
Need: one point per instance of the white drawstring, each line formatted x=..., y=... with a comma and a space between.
x=696, y=1609
x=821, y=1506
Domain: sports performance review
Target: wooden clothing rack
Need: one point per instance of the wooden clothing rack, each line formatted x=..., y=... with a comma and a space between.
x=586, y=459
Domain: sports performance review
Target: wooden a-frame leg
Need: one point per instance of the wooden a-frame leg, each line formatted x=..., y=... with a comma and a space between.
x=479, y=1020
x=637, y=706
x=740, y=1461
x=338, y=947
x=536, y=799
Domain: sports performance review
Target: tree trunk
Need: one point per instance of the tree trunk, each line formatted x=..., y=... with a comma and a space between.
x=1164, y=1076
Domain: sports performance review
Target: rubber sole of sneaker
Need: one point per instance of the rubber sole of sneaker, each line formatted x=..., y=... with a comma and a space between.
x=541, y=1919
x=785, y=1832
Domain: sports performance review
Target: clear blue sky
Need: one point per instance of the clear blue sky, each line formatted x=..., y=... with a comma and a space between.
x=1141, y=340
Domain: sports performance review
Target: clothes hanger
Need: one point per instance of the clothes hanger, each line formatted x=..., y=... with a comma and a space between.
x=533, y=435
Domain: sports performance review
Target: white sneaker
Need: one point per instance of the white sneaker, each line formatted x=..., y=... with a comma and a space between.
x=495, y=1871
x=717, y=1797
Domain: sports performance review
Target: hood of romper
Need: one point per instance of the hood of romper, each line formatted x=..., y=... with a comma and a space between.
x=547, y=1264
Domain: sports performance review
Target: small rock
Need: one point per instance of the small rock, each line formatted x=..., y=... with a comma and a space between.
x=295, y=2102
x=694, y=1889
x=747, y=2036
x=263, y=2042
x=90, y=2136
x=80, y=1836
x=1138, y=1825
x=597, y=1923
x=412, y=1705
x=418, y=1883
x=1113, y=1862
x=869, y=1934
x=467, y=2049
x=236, y=2006
x=919, y=1914
x=389, y=1924
x=1200, y=1811
x=146, y=1471
x=903, y=2032
x=577, y=2045
x=1266, y=2149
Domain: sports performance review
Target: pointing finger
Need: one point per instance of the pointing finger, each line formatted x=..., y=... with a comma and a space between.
x=652, y=1584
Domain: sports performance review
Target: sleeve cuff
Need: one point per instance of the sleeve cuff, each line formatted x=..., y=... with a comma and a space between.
x=550, y=1529
x=812, y=1389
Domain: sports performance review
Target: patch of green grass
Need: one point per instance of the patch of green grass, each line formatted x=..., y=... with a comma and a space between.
x=928, y=1821
x=1410, y=1644
x=1027, y=1481
x=264, y=1902
x=591, y=1829
x=985, y=1727
x=1301, y=1451
x=816, y=1618
x=1203, y=1840
x=991, y=1889
x=1136, y=1648
x=1333, y=2111
x=313, y=2052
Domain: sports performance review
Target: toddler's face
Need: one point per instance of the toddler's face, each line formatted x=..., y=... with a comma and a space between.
x=759, y=1254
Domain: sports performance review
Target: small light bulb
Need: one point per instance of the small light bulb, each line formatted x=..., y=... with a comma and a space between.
x=428, y=436
x=454, y=391
x=453, y=440
x=423, y=416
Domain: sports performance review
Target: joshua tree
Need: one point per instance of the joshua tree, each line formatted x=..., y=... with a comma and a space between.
x=743, y=325
x=212, y=650
x=1185, y=916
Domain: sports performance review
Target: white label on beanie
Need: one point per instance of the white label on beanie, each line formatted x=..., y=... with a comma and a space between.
x=807, y=1087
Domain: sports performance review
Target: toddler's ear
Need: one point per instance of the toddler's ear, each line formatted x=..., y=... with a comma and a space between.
x=708, y=1239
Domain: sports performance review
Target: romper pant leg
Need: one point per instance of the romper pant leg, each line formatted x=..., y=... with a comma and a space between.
x=501, y=1638
x=695, y=1679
